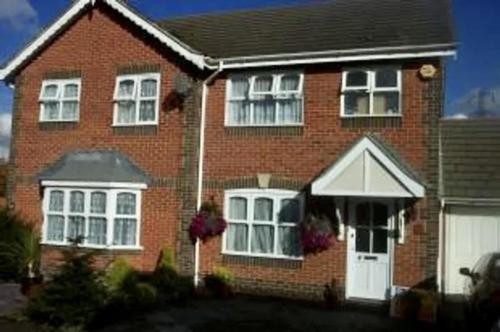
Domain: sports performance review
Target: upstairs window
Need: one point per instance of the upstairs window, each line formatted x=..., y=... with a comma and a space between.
x=374, y=92
x=137, y=100
x=265, y=100
x=60, y=100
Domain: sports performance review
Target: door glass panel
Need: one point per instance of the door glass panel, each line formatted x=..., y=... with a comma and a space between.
x=380, y=215
x=363, y=214
x=379, y=241
x=362, y=240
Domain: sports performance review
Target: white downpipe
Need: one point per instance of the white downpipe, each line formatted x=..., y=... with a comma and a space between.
x=201, y=156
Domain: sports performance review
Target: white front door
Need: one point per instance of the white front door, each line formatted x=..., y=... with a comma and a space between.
x=369, y=250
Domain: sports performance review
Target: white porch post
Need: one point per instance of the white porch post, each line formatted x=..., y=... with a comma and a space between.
x=340, y=214
x=401, y=221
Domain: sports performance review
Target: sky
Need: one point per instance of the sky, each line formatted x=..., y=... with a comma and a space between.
x=473, y=78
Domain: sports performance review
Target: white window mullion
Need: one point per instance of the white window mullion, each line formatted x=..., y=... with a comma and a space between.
x=276, y=211
x=250, y=213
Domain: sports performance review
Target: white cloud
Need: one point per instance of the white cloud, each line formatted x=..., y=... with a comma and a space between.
x=479, y=102
x=5, y=130
x=19, y=14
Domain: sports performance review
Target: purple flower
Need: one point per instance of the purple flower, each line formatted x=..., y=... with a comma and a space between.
x=315, y=240
x=205, y=225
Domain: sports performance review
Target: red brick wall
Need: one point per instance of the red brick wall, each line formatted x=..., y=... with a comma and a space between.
x=100, y=42
x=96, y=45
x=303, y=157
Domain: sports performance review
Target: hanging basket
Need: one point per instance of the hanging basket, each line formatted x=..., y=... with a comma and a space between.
x=207, y=223
x=317, y=234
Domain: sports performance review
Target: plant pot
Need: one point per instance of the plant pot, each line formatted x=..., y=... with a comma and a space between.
x=31, y=286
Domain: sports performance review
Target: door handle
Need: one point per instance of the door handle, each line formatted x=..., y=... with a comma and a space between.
x=371, y=258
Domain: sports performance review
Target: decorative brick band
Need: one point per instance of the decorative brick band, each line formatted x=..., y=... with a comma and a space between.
x=262, y=261
x=138, y=69
x=62, y=74
x=286, y=289
x=264, y=131
x=165, y=182
x=136, y=130
x=57, y=126
x=252, y=182
x=372, y=122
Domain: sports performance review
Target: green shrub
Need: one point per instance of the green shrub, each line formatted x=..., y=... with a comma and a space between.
x=219, y=283
x=73, y=296
x=167, y=259
x=120, y=276
x=19, y=248
x=224, y=275
x=172, y=288
x=146, y=295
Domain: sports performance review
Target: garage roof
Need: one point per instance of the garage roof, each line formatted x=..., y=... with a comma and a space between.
x=470, y=159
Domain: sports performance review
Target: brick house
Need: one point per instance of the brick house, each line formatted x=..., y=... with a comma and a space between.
x=124, y=126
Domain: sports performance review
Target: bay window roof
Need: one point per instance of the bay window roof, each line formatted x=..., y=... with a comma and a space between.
x=94, y=166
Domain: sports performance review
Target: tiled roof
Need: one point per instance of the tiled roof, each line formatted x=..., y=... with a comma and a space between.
x=471, y=158
x=324, y=26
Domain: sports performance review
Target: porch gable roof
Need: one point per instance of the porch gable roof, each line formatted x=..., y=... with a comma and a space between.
x=370, y=168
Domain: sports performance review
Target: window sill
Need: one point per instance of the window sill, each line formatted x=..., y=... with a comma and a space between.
x=371, y=116
x=95, y=247
x=57, y=126
x=371, y=122
x=297, y=130
x=263, y=261
x=139, y=130
x=124, y=125
x=286, y=258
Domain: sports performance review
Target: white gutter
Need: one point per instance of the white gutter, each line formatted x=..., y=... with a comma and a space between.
x=472, y=201
x=200, y=164
x=333, y=59
x=355, y=51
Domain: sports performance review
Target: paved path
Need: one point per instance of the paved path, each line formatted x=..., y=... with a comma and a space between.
x=243, y=315
x=11, y=299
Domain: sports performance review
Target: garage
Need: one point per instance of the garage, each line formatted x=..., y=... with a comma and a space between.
x=471, y=231
x=470, y=196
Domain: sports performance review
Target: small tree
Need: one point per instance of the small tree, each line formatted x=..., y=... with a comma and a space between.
x=73, y=296
x=19, y=248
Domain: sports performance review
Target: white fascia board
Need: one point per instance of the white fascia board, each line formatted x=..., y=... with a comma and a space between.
x=43, y=38
x=333, y=59
x=85, y=184
x=471, y=201
x=153, y=30
x=318, y=186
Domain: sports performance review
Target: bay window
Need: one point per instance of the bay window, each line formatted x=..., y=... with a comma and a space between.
x=371, y=92
x=263, y=223
x=60, y=100
x=273, y=99
x=101, y=218
x=137, y=99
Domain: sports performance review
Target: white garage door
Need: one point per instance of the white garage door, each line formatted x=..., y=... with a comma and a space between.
x=470, y=233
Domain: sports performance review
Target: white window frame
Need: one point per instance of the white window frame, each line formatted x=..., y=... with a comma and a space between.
x=275, y=96
x=371, y=89
x=251, y=195
x=136, y=97
x=59, y=98
x=110, y=215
